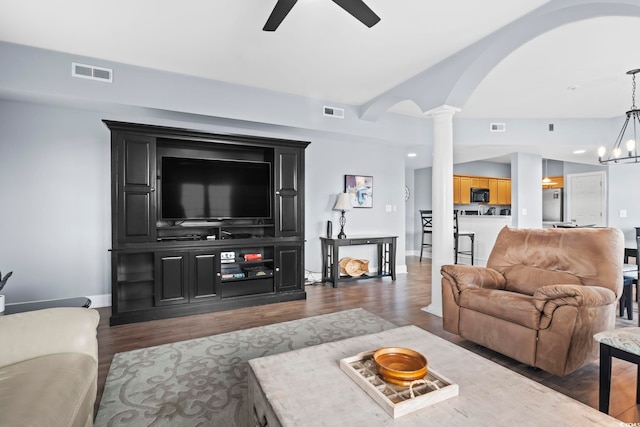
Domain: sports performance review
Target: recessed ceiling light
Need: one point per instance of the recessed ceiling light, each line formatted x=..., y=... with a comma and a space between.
x=579, y=151
x=412, y=155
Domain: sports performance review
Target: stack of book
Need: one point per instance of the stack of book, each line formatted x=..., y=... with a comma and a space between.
x=252, y=257
x=232, y=272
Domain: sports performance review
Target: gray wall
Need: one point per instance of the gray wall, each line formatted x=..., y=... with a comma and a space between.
x=526, y=190
x=55, y=158
x=411, y=212
x=56, y=186
x=55, y=166
x=622, y=182
x=552, y=167
x=327, y=163
x=483, y=168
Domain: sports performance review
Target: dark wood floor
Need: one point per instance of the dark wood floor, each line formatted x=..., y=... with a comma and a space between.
x=399, y=302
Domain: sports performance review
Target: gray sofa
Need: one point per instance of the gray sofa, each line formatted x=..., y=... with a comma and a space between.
x=48, y=367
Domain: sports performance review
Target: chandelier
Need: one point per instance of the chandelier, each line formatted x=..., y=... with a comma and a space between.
x=630, y=153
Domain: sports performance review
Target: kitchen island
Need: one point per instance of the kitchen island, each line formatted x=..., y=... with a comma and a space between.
x=486, y=228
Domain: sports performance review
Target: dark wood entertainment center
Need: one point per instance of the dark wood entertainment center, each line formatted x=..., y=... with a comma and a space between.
x=164, y=268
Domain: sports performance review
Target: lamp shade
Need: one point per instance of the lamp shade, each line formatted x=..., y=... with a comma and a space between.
x=343, y=203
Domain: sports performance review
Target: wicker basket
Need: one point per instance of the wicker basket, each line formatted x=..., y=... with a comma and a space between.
x=354, y=267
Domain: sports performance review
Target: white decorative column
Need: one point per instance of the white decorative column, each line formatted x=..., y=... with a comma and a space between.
x=442, y=200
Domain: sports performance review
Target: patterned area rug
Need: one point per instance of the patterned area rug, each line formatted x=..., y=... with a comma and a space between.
x=203, y=382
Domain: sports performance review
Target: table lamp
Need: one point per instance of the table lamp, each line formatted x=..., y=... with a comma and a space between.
x=342, y=204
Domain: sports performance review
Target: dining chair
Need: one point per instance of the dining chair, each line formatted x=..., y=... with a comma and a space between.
x=630, y=281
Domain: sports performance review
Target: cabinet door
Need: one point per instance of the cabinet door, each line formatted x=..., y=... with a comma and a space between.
x=465, y=190
x=556, y=182
x=203, y=268
x=504, y=192
x=456, y=190
x=288, y=274
x=483, y=182
x=134, y=180
x=493, y=191
x=171, y=278
x=289, y=186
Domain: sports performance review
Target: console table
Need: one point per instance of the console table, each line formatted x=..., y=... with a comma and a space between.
x=331, y=257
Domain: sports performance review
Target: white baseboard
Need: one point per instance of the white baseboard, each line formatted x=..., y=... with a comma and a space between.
x=401, y=269
x=97, y=301
x=425, y=254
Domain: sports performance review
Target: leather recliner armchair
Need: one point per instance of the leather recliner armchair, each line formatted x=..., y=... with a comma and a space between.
x=541, y=297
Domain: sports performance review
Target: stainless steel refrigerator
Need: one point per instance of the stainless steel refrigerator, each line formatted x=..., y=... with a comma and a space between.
x=552, y=206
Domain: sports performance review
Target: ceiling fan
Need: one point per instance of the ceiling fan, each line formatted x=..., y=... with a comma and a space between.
x=356, y=8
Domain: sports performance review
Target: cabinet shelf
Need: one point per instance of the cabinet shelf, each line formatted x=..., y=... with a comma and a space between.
x=136, y=278
x=244, y=279
x=246, y=226
x=245, y=263
x=134, y=304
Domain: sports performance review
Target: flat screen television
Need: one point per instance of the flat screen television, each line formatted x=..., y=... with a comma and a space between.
x=209, y=189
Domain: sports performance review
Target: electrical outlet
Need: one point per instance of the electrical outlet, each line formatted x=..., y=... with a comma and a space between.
x=623, y=213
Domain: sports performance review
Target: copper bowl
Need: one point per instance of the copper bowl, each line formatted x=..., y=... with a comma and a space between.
x=399, y=366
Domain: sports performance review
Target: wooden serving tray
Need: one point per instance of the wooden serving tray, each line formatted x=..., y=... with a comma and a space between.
x=396, y=400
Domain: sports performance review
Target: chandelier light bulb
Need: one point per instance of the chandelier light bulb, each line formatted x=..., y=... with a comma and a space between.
x=602, y=151
x=616, y=152
x=631, y=145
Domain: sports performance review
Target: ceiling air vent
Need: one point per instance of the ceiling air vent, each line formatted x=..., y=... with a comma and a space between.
x=498, y=127
x=92, y=72
x=338, y=113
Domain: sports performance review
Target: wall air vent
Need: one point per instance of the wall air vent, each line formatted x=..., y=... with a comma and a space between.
x=498, y=127
x=92, y=72
x=338, y=113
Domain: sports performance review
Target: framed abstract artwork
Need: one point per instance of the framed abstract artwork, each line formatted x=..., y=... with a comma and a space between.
x=360, y=190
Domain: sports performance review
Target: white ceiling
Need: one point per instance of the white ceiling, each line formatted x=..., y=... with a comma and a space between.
x=322, y=52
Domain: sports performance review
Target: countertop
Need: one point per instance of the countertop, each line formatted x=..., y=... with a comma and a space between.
x=486, y=229
x=484, y=216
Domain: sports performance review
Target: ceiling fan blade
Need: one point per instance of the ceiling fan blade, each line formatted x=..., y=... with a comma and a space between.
x=360, y=11
x=278, y=13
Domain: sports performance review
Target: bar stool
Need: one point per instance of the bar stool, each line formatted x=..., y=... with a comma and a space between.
x=457, y=234
x=427, y=228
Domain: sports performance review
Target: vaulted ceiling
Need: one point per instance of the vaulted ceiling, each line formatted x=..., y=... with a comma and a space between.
x=319, y=51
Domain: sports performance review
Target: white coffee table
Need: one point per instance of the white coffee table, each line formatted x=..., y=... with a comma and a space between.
x=306, y=387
